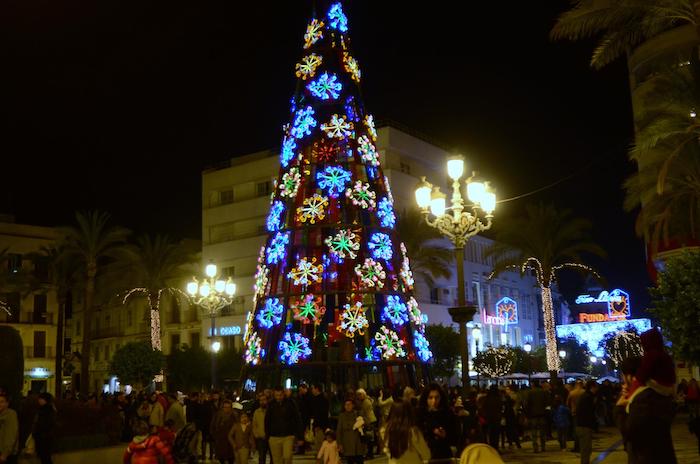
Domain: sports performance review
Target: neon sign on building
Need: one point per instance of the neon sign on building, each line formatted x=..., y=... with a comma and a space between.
x=506, y=313
x=617, y=302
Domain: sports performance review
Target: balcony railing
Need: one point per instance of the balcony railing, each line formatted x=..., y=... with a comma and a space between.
x=27, y=318
x=38, y=352
x=107, y=332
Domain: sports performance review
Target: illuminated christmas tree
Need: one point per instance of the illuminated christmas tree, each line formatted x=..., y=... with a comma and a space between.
x=333, y=291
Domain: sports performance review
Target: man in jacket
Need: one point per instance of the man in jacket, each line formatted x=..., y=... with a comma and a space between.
x=282, y=425
x=9, y=431
x=319, y=414
x=586, y=420
x=259, y=428
x=537, y=404
x=571, y=402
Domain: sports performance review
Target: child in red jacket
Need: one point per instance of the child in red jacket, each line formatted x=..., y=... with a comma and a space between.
x=167, y=434
x=146, y=448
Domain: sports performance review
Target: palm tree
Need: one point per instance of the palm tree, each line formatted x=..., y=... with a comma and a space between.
x=545, y=241
x=621, y=25
x=93, y=243
x=154, y=263
x=64, y=271
x=429, y=260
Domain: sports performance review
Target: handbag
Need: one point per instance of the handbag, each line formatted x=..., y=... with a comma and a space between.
x=309, y=435
x=30, y=445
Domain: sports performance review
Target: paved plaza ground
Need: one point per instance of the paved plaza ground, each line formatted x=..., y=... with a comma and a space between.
x=607, y=449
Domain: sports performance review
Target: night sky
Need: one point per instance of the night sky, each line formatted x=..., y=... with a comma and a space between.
x=120, y=106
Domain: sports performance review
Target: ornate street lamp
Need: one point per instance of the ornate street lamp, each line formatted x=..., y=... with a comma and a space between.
x=528, y=348
x=212, y=294
x=458, y=222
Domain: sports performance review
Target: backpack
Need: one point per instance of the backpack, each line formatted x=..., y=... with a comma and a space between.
x=183, y=441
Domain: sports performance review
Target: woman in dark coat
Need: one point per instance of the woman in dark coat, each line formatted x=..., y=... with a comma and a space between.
x=42, y=430
x=220, y=426
x=437, y=422
x=349, y=435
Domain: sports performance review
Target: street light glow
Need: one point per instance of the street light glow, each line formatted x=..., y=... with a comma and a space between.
x=216, y=346
x=192, y=288
x=423, y=193
x=594, y=359
x=437, y=202
x=230, y=288
x=562, y=354
x=220, y=286
x=527, y=347
x=475, y=191
x=455, y=167
x=488, y=202
x=204, y=290
x=210, y=270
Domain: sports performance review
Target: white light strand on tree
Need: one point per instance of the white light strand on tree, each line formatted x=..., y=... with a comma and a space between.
x=549, y=329
x=494, y=362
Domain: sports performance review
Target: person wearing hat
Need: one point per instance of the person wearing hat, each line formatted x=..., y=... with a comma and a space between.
x=43, y=427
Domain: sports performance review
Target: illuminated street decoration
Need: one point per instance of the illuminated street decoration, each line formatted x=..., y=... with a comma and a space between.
x=313, y=209
x=367, y=151
x=254, y=351
x=395, y=310
x=380, y=245
x=325, y=152
x=507, y=310
x=274, y=218
x=352, y=67
x=333, y=180
x=306, y=272
x=325, y=87
x=422, y=347
x=344, y=244
x=353, y=320
x=592, y=334
x=386, y=214
x=271, y=315
x=309, y=309
x=303, y=122
x=314, y=32
x=307, y=68
x=290, y=182
x=617, y=301
x=371, y=273
x=277, y=251
x=361, y=195
x=336, y=18
x=389, y=343
x=337, y=127
x=294, y=347
x=288, y=147
x=371, y=130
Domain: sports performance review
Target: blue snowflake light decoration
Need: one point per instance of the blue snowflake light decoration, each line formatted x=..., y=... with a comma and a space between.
x=336, y=18
x=325, y=87
x=395, y=310
x=277, y=250
x=386, y=214
x=274, y=218
x=303, y=122
x=422, y=347
x=288, y=147
x=334, y=179
x=293, y=347
x=271, y=314
x=380, y=244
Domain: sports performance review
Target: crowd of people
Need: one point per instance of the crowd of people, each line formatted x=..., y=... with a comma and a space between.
x=434, y=424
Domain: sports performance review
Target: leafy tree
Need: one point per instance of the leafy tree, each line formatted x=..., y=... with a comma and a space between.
x=494, y=362
x=155, y=264
x=229, y=364
x=578, y=358
x=444, y=343
x=93, y=242
x=429, y=260
x=545, y=241
x=136, y=363
x=188, y=368
x=676, y=304
x=523, y=362
x=621, y=25
x=621, y=345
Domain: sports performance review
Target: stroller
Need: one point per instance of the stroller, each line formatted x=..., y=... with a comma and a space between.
x=185, y=445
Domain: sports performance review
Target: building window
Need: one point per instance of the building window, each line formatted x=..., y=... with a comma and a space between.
x=174, y=342
x=226, y=196
x=14, y=263
x=40, y=309
x=67, y=346
x=228, y=271
x=194, y=339
x=40, y=344
x=435, y=295
x=41, y=269
x=405, y=167
x=129, y=317
x=263, y=188
x=107, y=353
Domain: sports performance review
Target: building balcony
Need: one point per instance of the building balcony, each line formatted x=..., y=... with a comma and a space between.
x=27, y=318
x=107, y=332
x=38, y=352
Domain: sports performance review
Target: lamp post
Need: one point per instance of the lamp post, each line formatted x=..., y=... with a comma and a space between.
x=212, y=294
x=458, y=222
x=476, y=335
x=528, y=347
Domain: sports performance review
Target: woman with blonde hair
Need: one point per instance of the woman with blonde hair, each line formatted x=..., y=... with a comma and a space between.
x=403, y=440
x=480, y=453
